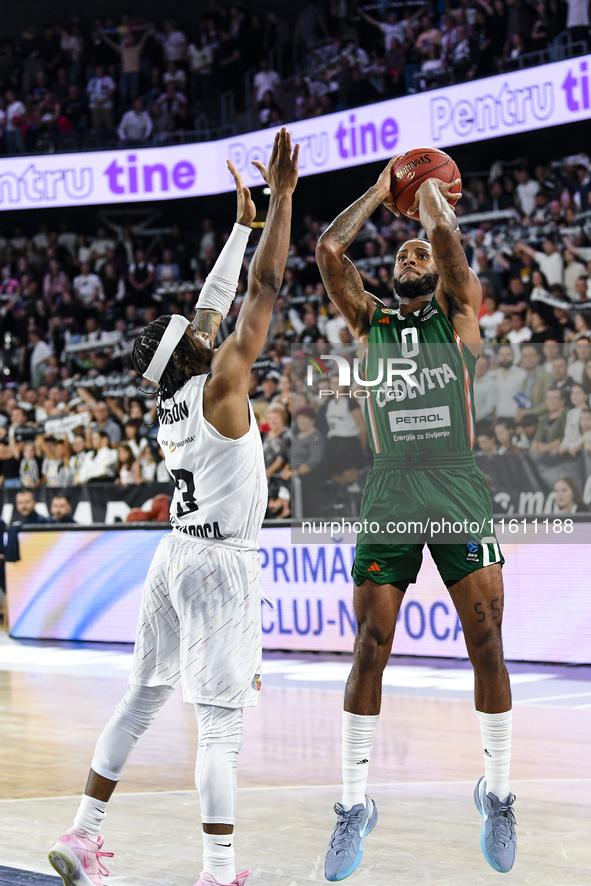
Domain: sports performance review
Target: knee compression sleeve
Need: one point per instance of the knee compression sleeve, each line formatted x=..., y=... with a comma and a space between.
x=134, y=713
x=220, y=740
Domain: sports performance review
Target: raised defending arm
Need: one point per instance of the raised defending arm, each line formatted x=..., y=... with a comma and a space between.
x=220, y=287
x=265, y=275
x=341, y=279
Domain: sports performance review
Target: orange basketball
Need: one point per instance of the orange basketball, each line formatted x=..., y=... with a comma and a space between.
x=414, y=167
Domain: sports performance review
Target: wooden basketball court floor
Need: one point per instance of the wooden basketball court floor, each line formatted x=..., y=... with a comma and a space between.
x=55, y=698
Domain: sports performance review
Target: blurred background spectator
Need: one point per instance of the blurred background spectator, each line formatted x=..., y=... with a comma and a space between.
x=228, y=71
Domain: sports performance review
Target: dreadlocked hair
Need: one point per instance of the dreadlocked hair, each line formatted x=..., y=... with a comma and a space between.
x=144, y=348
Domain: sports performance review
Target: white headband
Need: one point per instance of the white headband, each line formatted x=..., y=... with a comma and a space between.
x=172, y=336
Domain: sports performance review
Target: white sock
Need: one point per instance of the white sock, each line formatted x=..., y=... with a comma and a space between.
x=90, y=816
x=218, y=857
x=358, y=732
x=495, y=730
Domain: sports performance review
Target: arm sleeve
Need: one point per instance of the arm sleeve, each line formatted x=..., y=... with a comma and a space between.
x=220, y=286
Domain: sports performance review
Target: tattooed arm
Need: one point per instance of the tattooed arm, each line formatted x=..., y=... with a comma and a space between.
x=459, y=291
x=340, y=277
x=207, y=321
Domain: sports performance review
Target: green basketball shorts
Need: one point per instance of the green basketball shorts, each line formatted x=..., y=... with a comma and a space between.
x=441, y=500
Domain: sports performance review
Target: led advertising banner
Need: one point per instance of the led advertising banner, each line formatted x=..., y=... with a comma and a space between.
x=521, y=101
x=87, y=585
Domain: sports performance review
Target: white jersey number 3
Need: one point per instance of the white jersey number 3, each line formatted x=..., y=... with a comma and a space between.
x=184, y=482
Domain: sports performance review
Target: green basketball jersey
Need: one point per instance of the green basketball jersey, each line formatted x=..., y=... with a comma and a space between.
x=429, y=406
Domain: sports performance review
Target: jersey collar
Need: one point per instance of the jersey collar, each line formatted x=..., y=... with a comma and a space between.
x=416, y=313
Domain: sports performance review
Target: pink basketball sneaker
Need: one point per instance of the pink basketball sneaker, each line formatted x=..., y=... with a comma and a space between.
x=77, y=859
x=208, y=880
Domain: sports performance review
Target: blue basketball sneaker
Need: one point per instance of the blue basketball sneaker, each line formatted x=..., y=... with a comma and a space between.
x=498, y=840
x=345, y=849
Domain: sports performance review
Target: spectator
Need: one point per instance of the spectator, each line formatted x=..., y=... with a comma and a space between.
x=485, y=390
x=306, y=455
x=40, y=354
x=572, y=440
x=562, y=379
x=168, y=270
x=518, y=331
x=486, y=440
x=88, y=286
x=525, y=430
x=504, y=434
x=537, y=381
x=130, y=438
x=567, y=497
x=489, y=321
x=582, y=353
x=127, y=467
x=55, y=469
x=61, y=510
x=29, y=466
x=527, y=189
x=266, y=80
x=9, y=461
x=552, y=425
x=100, y=91
x=573, y=269
x=25, y=513
x=15, y=116
x=100, y=463
x=130, y=53
x=176, y=76
x=586, y=377
x=152, y=470
x=136, y=125
x=268, y=110
x=79, y=450
x=347, y=437
x=509, y=381
x=549, y=261
x=174, y=42
x=277, y=440
x=103, y=420
x=141, y=278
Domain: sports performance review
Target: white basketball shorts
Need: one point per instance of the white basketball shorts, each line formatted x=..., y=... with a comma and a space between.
x=200, y=622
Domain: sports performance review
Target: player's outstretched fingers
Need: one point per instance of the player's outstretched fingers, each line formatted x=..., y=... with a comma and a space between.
x=275, y=150
x=262, y=169
x=283, y=144
x=235, y=175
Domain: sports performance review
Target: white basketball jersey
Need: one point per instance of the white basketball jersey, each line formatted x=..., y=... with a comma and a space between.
x=220, y=484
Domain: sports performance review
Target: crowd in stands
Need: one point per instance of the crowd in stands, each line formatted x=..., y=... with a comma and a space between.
x=72, y=410
x=137, y=81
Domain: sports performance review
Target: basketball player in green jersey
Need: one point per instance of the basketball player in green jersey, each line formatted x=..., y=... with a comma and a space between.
x=426, y=471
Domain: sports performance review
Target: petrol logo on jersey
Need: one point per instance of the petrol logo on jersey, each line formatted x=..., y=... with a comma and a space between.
x=434, y=417
x=256, y=683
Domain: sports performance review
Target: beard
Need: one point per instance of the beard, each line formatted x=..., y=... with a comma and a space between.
x=419, y=287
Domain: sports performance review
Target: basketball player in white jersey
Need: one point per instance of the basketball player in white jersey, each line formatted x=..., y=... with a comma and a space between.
x=200, y=618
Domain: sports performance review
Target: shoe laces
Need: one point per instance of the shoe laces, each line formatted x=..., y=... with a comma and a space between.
x=503, y=820
x=346, y=825
x=100, y=855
